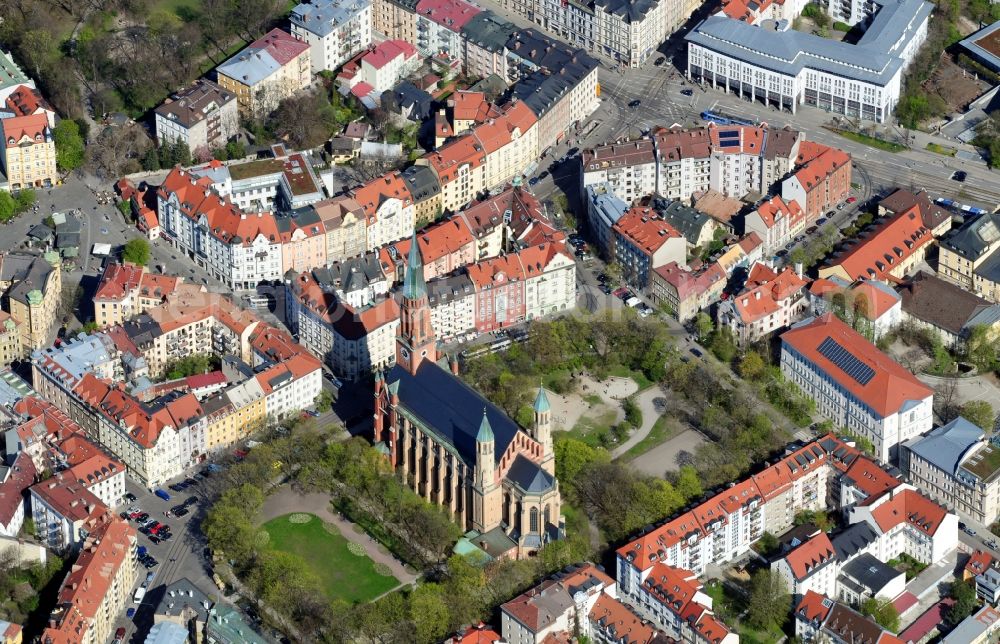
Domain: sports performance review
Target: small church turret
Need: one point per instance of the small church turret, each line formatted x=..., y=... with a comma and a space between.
x=415, y=342
x=543, y=429
x=485, y=458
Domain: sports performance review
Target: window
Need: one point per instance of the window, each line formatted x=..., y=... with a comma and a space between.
x=533, y=520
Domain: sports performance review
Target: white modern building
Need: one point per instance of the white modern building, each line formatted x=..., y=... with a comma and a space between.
x=772, y=63
x=336, y=30
x=855, y=385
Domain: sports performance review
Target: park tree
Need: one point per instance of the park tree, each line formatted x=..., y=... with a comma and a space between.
x=981, y=348
x=137, y=252
x=703, y=326
x=688, y=485
x=69, y=145
x=883, y=612
x=769, y=601
x=8, y=207
x=966, y=602
x=230, y=524
x=979, y=413
x=572, y=456
x=429, y=614
x=752, y=366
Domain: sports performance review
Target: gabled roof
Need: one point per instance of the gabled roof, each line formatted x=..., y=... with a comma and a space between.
x=908, y=507
x=861, y=368
x=34, y=127
x=813, y=607
x=893, y=240
x=451, y=409
x=945, y=305
x=21, y=477
x=812, y=555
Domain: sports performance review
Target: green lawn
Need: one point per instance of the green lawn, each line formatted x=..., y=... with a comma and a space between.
x=172, y=6
x=941, y=149
x=624, y=372
x=663, y=429
x=871, y=141
x=343, y=574
x=594, y=424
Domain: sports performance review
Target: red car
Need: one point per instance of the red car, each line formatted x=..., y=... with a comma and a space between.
x=134, y=515
x=120, y=635
x=621, y=291
x=851, y=199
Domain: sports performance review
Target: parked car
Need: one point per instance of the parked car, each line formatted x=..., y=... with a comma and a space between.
x=959, y=175
x=969, y=531
x=851, y=200
x=687, y=92
x=191, y=500
x=821, y=221
x=130, y=613
x=129, y=497
x=120, y=635
x=162, y=494
x=660, y=61
x=634, y=104
x=181, y=513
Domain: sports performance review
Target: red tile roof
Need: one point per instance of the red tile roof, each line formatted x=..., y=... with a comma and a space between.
x=24, y=101
x=209, y=379
x=453, y=14
x=644, y=228
x=815, y=552
x=614, y=617
x=90, y=579
x=21, y=477
x=750, y=139
x=892, y=242
x=776, y=208
x=117, y=281
x=689, y=283
x=767, y=297
x=908, y=507
x=889, y=389
x=471, y=106
x=979, y=562
x=99, y=467
x=480, y=634
x=818, y=168
x=388, y=50
x=869, y=477
x=17, y=128
x=72, y=500
x=377, y=191
x=446, y=162
x=436, y=241
x=814, y=607
x=281, y=45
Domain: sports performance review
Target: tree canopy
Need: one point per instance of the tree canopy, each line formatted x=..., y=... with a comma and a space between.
x=136, y=251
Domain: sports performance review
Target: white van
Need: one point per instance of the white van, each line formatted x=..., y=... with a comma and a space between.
x=633, y=302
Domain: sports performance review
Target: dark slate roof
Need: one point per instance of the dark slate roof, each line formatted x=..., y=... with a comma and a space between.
x=451, y=408
x=181, y=595
x=527, y=475
x=870, y=572
x=450, y=288
x=422, y=182
x=855, y=538
x=488, y=31
x=629, y=10
x=975, y=237
x=945, y=305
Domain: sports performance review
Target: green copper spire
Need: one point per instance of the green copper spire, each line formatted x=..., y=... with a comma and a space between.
x=542, y=401
x=414, y=286
x=485, y=434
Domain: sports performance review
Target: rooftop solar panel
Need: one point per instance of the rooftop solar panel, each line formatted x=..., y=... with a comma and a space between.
x=729, y=134
x=728, y=144
x=846, y=361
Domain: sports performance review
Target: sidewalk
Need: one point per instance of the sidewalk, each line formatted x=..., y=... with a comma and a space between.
x=285, y=501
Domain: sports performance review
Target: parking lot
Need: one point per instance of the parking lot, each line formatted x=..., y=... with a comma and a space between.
x=180, y=556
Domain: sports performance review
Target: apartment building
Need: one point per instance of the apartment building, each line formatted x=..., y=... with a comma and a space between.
x=485, y=38
x=126, y=290
x=956, y=465
x=303, y=240
x=861, y=79
x=855, y=385
x=644, y=241
x=685, y=292
x=335, y=30
x=879, y=306
x=776, y=222
x=385, y=64
x=460, y=167
x=677, y=163
x=19, y=477
x=768, y=302
x=439, y=25
x=524, y=285
x=388, y=208
x=233, y=414
x=969, y=257
x=345, y=224
x=510, y=143
x=285, y=181
x=809, y=567
x=203, y=116
x=821, y=181
x=445, y=246
x=60, y=508
x=32, y=292
x=97, y=588
x=29, y=154
x=238, y=248
x=267, y=71
x=291, y=385
x=426, y=192
x=395, y=18
x=819, y=618
x=604, y=208
x=452, y=300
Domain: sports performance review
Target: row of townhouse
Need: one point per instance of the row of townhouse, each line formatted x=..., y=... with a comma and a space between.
x=28, y=154
x=266, y=374
x=823, y=473
x=676, y=162
x=583, y=600
x=483, y=296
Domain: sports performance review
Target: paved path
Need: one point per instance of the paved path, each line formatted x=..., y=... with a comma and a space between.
x=663, y=457
x=649, y=418
x=285, y=501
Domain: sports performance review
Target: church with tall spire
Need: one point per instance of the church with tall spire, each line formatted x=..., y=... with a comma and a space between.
x=458, y=450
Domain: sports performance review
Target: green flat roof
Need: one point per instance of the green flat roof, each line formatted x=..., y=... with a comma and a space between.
x=985, y=463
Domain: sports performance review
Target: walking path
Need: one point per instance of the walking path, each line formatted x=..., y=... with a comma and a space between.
x=285, y=501
x=649, y=417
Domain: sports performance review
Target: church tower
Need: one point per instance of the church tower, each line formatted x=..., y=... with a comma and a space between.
x=486, y=494
x=543, y=430
x=415, y=341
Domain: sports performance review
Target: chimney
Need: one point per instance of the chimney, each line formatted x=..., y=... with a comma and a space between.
x=453, y=363
x=756, y=295
x=798, y=269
